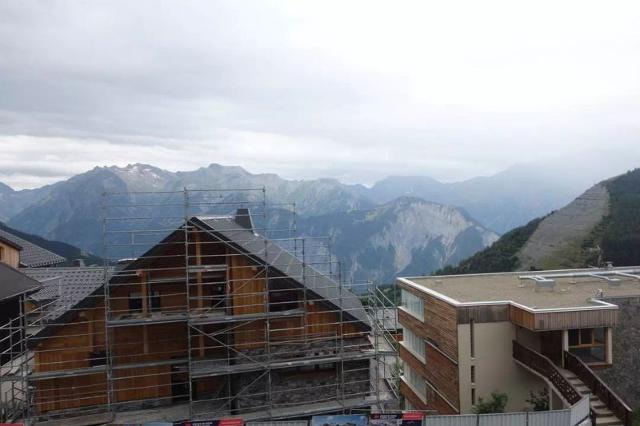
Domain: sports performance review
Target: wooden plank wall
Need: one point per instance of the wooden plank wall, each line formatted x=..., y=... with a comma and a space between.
x=71, y=392
x=248, y=296
x=563, y=320
x=483, y=313
x=247, y=286
x=576, y=319
x=521, y=317
x=70, y=349
x=10, y=255
x=440, y=328
x=70, y=346
x=440, y=322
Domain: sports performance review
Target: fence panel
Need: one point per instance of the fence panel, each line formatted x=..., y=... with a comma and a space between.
x=464, y=420
x=569, y=417
x=503, y=419
x=580, y=411
x=550, y=418
x=279, y=423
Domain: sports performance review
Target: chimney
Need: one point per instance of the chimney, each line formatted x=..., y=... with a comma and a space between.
x=243, y=218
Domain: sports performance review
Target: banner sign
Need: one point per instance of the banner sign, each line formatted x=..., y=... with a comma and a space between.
x=407, y=418
x=231, y=421
x=339, y=420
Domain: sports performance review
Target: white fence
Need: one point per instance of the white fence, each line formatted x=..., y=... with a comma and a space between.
x=570, y=417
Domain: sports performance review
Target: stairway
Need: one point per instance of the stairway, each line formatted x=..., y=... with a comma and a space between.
x=604, y=416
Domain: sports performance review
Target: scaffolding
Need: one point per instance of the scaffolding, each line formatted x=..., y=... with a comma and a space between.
x=209, y=305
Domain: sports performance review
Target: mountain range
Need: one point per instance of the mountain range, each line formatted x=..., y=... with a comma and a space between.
x=408, y=225
x=601, y=225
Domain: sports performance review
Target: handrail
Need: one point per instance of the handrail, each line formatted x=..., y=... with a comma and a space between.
x=546, y=368
x=599, y=388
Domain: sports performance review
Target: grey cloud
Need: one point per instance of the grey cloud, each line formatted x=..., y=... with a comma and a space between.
x=385, y=96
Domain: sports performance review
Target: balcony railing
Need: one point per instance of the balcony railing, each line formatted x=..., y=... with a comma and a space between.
x=598, y=388
x=546, y=368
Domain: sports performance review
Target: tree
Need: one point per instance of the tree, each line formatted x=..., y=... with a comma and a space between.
x=539, y=400
x=495, y=405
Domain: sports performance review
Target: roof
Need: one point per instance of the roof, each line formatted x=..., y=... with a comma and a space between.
x=560, y=289
x=266, y=251
x=10, y=243
x=65, y=288
x=32, y=255
x=13, y=282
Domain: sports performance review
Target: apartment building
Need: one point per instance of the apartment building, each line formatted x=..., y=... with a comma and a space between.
x=467, y=336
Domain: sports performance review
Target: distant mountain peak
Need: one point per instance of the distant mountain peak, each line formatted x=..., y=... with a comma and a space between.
x=5, y=189
x=137, y=168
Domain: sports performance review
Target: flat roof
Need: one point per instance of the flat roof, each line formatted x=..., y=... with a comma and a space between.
x=570, y=288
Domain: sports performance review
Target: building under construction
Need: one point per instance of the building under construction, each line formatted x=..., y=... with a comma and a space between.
x=208, y=305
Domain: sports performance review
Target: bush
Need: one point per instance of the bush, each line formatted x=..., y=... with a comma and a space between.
x=539, y=400
x=495, y=405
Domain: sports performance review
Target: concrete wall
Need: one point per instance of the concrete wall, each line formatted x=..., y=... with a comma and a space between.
x=495, y=368
x=624, y=375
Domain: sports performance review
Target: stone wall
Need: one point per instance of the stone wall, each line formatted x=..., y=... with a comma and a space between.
x=624, y=376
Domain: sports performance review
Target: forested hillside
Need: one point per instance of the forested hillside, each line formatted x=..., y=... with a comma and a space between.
x=499, y=257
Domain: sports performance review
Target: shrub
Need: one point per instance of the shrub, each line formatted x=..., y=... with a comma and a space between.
x=539, y=400
x=495, y=405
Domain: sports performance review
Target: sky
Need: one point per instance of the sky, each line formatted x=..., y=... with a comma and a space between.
x=355, y=90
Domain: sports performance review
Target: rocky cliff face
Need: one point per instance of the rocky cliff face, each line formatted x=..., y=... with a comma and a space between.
x=408, y=236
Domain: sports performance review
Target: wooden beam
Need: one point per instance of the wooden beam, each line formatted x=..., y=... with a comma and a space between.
x=145, y=310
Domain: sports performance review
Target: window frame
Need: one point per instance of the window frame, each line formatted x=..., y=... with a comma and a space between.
x=409, y=341
x=412, y=304
x=415, y=382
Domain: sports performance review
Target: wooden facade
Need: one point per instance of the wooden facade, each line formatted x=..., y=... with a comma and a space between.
x=245, y=314
x=440, y=369
x=9, y=254
x=563, y=320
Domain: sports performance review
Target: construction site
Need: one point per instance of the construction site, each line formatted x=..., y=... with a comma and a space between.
x=208, y=305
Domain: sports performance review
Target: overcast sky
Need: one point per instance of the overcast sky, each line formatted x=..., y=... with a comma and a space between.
x=345, y=89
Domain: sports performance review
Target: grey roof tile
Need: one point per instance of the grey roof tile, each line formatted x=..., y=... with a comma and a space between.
x=64, y=288
x=31, y=254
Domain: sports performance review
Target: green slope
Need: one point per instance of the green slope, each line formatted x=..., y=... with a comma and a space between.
x=620, y=241
x=499, y=257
